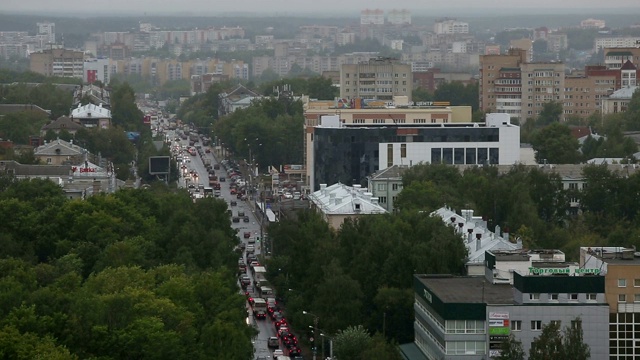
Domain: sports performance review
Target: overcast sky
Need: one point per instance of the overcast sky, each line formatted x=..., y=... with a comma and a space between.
x=348, y=8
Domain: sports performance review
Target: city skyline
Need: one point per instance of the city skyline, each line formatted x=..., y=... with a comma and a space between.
x=203, y=7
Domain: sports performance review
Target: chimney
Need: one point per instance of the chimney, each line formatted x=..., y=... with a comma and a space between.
x=470, y=236
x=453, y=220
x=519, y=243
x=460, y=225
x=478, y=241
x=505, y=234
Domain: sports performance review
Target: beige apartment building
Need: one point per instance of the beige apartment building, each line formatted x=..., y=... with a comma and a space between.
x=584, y=95
x=501, y=83
x=58, y=62
x=510, y=84
x=621, y=268
x=377, y=79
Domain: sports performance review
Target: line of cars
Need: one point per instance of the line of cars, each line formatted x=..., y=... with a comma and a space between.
x=261, y=297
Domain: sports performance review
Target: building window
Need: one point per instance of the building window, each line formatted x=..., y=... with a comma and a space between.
x=389, y=155
x=555, y=322
x=534, y=296
x=516, y=325
x=536, y=325
x=395, y=199
x=591, y=297
x=48, y=160
x=573, y=296
x=636, y=282
x=382, y=199
x=396, y=187
x=576, y=323
x=403, y=150
x=553, y=297
x=622, y=282
x=636, y=298
x=382, y=187
x=622, y=298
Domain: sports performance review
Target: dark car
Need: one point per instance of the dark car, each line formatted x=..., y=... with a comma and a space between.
x=236, y=219
x=233, y=203
x=295, y=352
x=241, y=213
x=273, y=342
x=245, y=280
x=276, y=316
x=246, y=219
x=222, y=179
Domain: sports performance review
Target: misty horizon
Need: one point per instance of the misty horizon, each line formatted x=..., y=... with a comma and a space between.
x=252, y=8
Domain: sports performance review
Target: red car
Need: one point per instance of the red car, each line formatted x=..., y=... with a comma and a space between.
x=247, y=234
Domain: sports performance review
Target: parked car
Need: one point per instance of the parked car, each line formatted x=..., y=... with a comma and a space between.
x=247, y=234
x=236, y=219
x=233, y=203
x=246, y=219
x=277, y=353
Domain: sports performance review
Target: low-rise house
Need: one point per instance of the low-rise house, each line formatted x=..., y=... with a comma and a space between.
x=478, y=239
x=339, y=202
x=59, y=124
x=238, y=98
x=60, y=152
x=94, y=94
x=91, y=116
x=77, y=181
x=386, y=184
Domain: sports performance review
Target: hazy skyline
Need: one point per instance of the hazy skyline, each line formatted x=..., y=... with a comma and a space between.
x=350, y=8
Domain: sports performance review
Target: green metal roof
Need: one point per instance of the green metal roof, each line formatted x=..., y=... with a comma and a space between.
x=618, y=53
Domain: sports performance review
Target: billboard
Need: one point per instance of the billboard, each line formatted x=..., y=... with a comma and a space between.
x=159, y=165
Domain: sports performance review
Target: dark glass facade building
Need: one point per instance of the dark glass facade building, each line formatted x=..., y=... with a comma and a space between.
x=349, y=155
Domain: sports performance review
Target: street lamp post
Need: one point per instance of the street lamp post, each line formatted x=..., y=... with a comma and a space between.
x=330, y=345
x=315, y=332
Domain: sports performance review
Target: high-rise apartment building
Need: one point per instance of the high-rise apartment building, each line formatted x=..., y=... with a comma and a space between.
x=615, y=57
x=49, y=29
x=616, y=42
x=501, y=82
x=399, y=17
x=379, y=79
x=58, y=62
x=450, y=26
x=511, y=84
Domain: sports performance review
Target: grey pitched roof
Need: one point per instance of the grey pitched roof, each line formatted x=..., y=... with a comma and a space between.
x=59, y=148
x=340, y=199
x=392, y=172
x=62, y=122
x=34, y=170
x=624, y=93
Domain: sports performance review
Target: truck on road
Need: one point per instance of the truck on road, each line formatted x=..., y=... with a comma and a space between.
x=260, y=308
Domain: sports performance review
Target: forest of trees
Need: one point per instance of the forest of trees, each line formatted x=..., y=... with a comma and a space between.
x=140, y=274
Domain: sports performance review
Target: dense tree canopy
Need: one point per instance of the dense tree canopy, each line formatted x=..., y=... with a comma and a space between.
x=142, y=274
x=362, y=273
x=271, y=128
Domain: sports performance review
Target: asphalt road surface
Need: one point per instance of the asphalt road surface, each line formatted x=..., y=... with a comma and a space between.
x=265, y=327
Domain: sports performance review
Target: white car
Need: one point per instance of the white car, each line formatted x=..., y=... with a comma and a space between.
x=277, y=353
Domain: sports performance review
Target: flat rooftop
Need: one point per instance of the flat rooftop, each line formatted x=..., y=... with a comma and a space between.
x=467, y=289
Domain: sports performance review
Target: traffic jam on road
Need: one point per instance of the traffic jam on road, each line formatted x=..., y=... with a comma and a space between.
x=204, y=176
